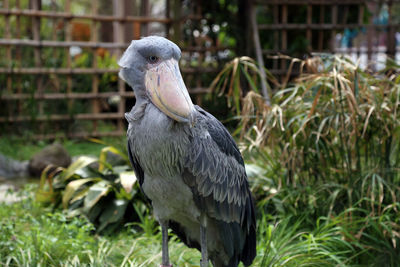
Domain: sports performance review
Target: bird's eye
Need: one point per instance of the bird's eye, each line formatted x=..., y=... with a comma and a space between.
x=152, y=59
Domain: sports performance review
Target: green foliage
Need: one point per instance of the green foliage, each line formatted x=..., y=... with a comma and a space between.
x=328, y=148
x=94, y=188
x=36, y=235
x=18, y=147
x=287, y=244
x=235, y=77
x=33, y=235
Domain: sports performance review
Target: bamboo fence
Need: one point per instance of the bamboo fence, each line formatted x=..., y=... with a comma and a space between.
x=125, y=27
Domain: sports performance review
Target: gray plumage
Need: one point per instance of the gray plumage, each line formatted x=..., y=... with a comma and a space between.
x=192, y=172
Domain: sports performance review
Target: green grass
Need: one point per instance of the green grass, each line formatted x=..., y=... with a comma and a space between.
x=33, y=235
x=21, y=149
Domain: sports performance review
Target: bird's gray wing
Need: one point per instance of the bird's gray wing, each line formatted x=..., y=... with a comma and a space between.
x=135, y=163
x=214, y=169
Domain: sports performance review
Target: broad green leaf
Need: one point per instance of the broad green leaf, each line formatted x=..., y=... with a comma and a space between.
x=79, y=195
x=103, y=156
x=74, y=205
x=120, y=169
x=94, y=212
x=46, y=194
x=72, y=188
x=95, y=193
x=80, y=163
x=45, y=177
x=113, y=212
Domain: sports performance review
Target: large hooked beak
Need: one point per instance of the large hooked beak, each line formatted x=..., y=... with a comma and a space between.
x=165, y=87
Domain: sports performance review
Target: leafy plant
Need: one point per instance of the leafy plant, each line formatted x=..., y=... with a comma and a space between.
x=234, y=77
x=328, y=148
x=94, y=188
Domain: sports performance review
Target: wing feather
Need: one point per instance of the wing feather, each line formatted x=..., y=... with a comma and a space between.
x=135, y=164
x=214, y=170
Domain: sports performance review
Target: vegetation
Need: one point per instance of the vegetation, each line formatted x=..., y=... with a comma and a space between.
x=94, y=188
x=33, y=235
x=328, y=152
x=21, y=149
x=323, y=162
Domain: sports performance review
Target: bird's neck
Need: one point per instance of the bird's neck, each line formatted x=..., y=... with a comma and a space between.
x=139, y=89
x=140, y=94
x=138, y=109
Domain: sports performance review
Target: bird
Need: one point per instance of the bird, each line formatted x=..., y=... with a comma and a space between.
x=187, y=163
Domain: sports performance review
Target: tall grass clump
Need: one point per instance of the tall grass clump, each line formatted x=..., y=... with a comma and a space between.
x=328, y=147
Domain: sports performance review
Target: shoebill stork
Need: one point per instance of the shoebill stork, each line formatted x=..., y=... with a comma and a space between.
x=186, y=162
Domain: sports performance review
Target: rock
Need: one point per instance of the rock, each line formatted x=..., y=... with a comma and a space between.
x=12, y=168
x=54, y=154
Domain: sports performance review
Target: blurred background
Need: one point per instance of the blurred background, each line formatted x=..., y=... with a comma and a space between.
x=58, y=65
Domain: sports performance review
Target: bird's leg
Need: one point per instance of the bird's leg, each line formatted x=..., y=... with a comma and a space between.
x=165, y=255
x=203, y=244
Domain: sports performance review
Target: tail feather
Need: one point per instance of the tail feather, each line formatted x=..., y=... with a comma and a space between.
x=249, y=249
x=239, y=240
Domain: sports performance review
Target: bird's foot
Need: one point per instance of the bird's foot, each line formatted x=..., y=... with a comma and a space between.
x=169, y=265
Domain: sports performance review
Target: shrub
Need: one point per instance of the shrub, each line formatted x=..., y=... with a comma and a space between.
x=105, y=194
x=328, y=146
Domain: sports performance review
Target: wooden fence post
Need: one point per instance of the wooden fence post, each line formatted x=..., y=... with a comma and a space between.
x=334, y=22
x=309, y=31
x=36, y=5
x=95, y=78
x=119, y=39
x=391, y=33
x=176, y=22
x=8, y=47
x=145, y=11
x=68, y=38
x=18, y=56
x=167, y=15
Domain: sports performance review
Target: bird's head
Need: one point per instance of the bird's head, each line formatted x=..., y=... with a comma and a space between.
x=150, y=66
